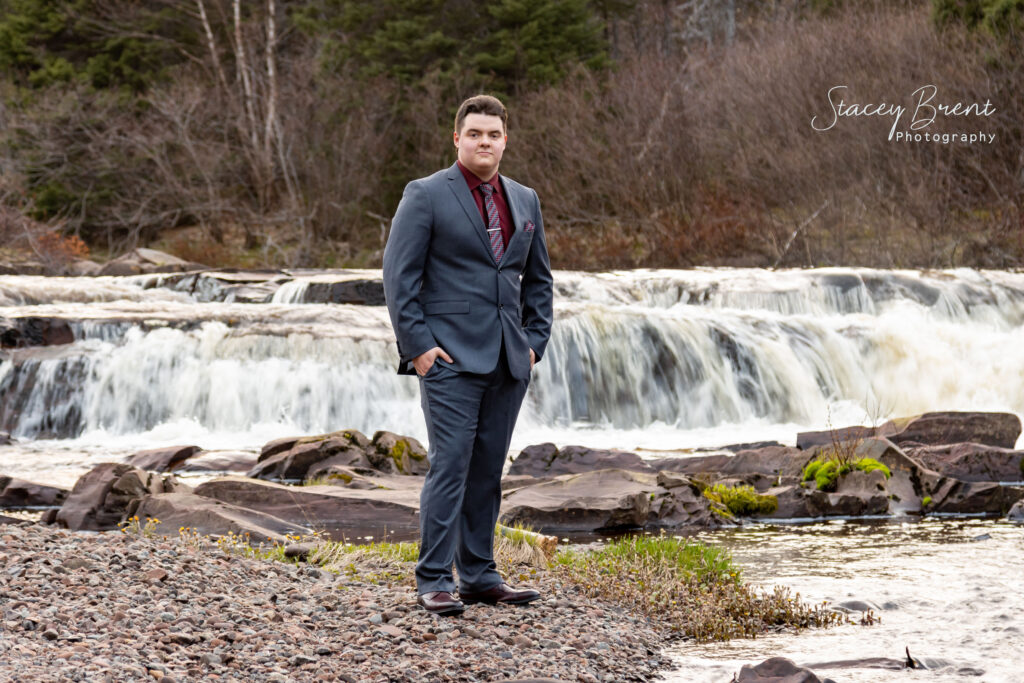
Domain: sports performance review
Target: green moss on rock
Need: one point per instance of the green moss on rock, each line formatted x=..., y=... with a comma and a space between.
x=826, y=472
x=743, y=501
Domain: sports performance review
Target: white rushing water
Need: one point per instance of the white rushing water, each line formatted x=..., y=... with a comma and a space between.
x=641, y=359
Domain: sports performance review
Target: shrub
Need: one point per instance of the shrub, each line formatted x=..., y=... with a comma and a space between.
x=690, y=588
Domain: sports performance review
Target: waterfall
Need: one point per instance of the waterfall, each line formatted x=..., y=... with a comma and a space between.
x=632, y=352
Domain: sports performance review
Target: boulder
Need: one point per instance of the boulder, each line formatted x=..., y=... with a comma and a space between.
x=219, y=461
x=143, y=260
x=910, y=482
x=972, y=461
x=697, y=464
x=399, y=454
x=22, y=332
x=25, y=267
x=975, y=497
x=776, y=670
x=5, y=439
x=83, y=268
x=547, y=460
x=162, y=459
x=855, y=498
x=277, y=446
x=319, y=506
x=682, y=504
x=102, y=495
x=604, y=499
x=859, y=494
x=808, y=440
x=518, y=481
x=336, y=475
x=347, y=449
x=363, y=292
x=1016, y=513
x=991, y=429
x=931, y=429
x=18, y=493
x=607, y=499
x=771, y=461
x=798, y=502
x=213, y=517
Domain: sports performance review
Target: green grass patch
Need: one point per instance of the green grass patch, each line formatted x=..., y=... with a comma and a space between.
x=743, y=501
x=826, y=472
x=693, y=589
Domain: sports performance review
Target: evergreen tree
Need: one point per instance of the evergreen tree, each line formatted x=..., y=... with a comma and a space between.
x=103, y=44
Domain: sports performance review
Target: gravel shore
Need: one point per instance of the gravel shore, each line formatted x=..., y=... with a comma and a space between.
x=118, y=607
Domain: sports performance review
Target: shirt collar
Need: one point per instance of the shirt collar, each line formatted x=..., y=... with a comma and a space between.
x=474, y=182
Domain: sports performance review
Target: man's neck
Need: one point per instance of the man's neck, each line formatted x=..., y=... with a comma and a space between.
x=494, y=176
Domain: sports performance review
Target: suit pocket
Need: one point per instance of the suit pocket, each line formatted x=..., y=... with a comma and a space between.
x=445, y=307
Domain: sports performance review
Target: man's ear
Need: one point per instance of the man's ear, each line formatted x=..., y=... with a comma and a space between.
x=455, y=138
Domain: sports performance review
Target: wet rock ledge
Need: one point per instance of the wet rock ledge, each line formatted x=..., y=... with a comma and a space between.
x=348, y=481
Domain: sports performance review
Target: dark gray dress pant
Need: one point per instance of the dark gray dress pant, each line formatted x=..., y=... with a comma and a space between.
x=470, y=418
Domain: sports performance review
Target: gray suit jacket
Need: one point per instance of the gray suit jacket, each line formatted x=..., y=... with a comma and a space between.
x=444, y=288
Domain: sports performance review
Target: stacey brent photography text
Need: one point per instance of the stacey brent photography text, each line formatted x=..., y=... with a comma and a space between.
x=924, y=111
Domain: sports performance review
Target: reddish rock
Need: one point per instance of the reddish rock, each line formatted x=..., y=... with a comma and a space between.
x=162, y=459
x=1016, y=513
x=607, y=499
x=28, y=331
x=277, y=446
x=991, y=429
x=207, y=516
x=330, y=506
x=960, y=497
x=776, y=670
x=220, y=461
x=546, y=460
x=18, y=493
x=295, y=463
x=144, y=260
x=102, y=495
x=931, y=429
x=972, y=461
x=280, y=461
x=399, y=454
x=156, y=574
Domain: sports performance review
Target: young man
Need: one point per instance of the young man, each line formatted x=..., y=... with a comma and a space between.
x=468, y=286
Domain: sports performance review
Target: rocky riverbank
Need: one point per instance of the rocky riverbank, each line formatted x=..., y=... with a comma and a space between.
x=118, y=607
x=345, y=482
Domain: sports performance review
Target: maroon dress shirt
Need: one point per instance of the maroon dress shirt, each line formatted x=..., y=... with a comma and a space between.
x=504, y=215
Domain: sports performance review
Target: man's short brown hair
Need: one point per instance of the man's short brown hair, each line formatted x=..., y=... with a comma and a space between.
x=481, y=104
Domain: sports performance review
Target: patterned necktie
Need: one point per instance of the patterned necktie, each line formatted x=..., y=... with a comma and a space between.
x=493, y=222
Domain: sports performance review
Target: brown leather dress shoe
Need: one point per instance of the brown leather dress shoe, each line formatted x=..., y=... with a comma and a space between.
x=441, y=603
x=502, y=593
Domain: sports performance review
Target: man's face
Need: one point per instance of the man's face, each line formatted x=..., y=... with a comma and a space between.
x=481, y=143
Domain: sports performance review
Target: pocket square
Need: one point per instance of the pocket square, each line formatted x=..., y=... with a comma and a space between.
x=528, y=227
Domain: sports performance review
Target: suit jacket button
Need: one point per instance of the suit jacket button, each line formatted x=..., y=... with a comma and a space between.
x=501, y=307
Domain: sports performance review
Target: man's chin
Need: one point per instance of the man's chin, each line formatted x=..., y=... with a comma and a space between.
x=483, y=170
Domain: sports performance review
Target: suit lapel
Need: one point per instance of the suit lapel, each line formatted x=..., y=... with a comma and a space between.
x=518, y=218
x=457, y=183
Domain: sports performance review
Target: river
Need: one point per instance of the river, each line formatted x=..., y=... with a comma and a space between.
x=653, y=361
